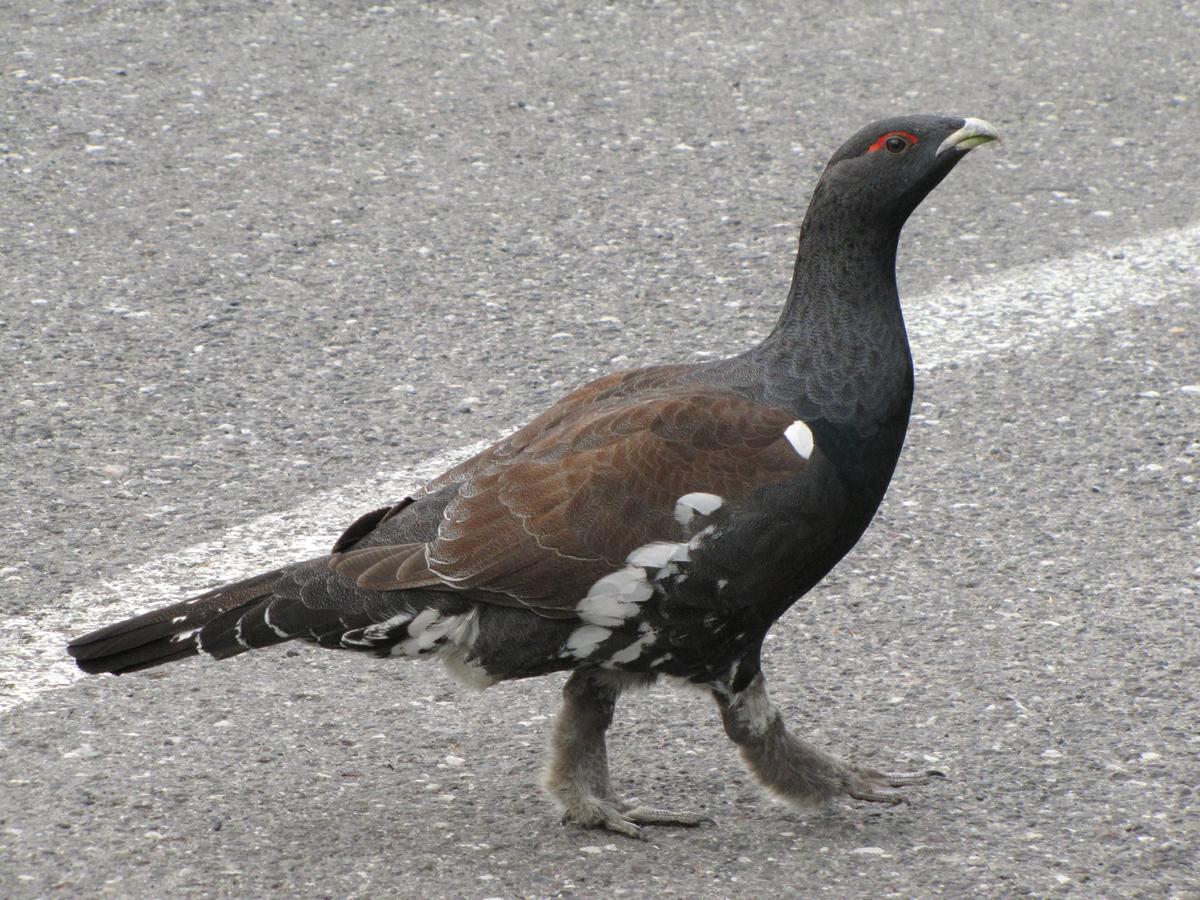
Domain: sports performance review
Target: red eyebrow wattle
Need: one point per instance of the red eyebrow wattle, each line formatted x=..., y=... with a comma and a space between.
x=878, y=145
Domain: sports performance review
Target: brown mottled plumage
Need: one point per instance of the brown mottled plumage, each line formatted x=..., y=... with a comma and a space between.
x=565, y=501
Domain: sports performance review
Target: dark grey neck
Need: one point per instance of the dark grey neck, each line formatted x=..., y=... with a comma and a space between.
x=844, y=270
x=839, y=352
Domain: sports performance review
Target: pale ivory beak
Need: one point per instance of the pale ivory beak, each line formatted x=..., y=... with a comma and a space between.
x=973, y=133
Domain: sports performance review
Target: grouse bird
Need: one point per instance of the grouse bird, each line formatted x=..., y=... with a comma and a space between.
x=655, y=522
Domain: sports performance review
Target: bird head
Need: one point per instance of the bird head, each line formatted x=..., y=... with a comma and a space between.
x=883, y=173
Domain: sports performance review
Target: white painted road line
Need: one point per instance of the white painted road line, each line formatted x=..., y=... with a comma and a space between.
x=1032, y=303
x=35, y=659
x=1021, y=307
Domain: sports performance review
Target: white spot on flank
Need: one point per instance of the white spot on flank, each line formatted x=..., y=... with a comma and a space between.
x=800, y=437
x=462, y=630
x=721, y=583
x=430, y=629
x=177, y=620
x=422, y=622
x=584, y=640
x=466, y=671
x=616, y=597
x=689, y=505
x=634, y=650
x=608, y=609
x=699, y=536
x=185, y=635
x=657, y=555
x=379, y=631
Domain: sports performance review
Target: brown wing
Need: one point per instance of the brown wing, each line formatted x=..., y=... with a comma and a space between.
x=604, y=390
x=537, y=524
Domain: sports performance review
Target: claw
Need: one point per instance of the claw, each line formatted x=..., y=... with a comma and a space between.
x=624, y=826
x=879, y=796
x=605, y=817
x=645, y=815
x=866, y=784
x=903, y=779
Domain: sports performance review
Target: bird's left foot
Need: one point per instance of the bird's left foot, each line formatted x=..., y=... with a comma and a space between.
x=874, y=786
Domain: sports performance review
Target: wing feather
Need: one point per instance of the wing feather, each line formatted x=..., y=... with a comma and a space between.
x=540, y=517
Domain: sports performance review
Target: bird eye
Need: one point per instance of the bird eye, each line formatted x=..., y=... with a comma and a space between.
x=893, y=142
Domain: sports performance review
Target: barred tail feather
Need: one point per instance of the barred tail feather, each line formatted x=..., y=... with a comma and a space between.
x=170, y=632
x=306, y=601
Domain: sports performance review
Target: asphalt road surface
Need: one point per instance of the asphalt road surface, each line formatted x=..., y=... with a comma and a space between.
x=260, y=260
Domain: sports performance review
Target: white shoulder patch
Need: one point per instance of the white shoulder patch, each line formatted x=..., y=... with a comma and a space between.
x=800, y=437
x=699, y=502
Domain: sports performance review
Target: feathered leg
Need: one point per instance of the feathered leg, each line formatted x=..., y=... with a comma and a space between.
x=578, y=772
x=789, y=767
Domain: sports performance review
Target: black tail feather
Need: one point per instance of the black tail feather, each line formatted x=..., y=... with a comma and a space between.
x=245, y=628
x=306, y=601
x=145, y=656
x=168, y=633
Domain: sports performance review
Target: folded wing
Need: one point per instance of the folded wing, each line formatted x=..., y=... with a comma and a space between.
x=538, y=519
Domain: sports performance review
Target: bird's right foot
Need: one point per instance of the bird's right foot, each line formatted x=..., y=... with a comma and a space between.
x=621, y=819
